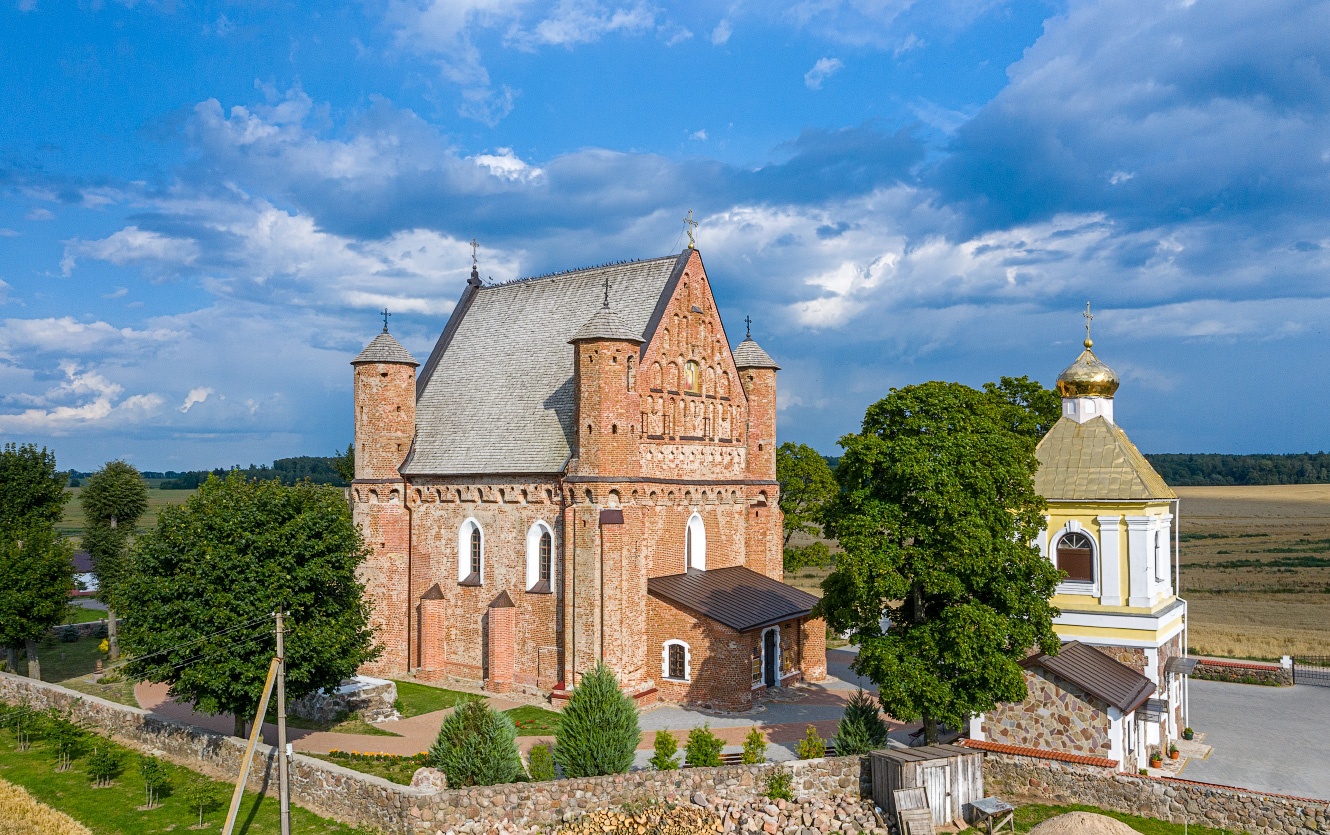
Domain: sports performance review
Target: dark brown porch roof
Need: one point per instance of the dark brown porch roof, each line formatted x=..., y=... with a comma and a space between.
x=737, y=597
x=1097, y=674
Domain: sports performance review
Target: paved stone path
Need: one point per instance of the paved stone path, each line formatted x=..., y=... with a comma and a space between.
x=1265, y=738
x=783, y=719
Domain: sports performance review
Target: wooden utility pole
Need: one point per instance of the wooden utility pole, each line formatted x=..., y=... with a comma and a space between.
x=254, y=737
x=283, y=764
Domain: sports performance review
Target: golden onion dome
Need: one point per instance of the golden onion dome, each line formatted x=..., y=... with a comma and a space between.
x=1087, y=377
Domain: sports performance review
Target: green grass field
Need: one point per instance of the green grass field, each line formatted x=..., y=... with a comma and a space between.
x=416, y=699
x=72, y=665
x=72, y=523
x=534, y=721
x=397, y=769
x=113, y=810
x=1027, y=817
x=80, y=614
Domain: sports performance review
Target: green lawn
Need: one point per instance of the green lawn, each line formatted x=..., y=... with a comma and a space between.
x=111, y=811
x=534, y=721
x=415, y=699
x=82, y=614
x=1029, y=816
x=397, y=769
x=72, y=666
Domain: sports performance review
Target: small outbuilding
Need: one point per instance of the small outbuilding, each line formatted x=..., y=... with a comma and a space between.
x=952, y=776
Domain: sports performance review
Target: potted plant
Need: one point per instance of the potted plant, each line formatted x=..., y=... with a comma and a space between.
x=1173, y=753
x=1156, y=759
x=1188, y=733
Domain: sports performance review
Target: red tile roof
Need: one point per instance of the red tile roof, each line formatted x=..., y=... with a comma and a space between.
x=1246, y=665
x=1039, y=753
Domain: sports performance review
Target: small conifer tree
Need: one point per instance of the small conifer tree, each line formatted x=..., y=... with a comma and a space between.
x=666, y=747
x=755, y=747
x=477, y=746
x=540, y=764
x=703, y=748
x=862, y=728
x=811, y=746
x=598, y=731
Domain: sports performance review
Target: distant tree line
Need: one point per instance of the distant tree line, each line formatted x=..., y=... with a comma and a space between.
x=1210, y=469
x=318, y=470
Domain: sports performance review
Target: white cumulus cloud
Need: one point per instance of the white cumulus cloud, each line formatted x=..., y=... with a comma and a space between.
x=195, y=397
x=824, y=68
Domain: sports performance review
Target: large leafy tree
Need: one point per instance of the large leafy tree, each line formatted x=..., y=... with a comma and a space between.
x=806, y=485
x=937, y=515
x=113, y=500
x=203, y=584
x=1032, y=409
x=36, y=572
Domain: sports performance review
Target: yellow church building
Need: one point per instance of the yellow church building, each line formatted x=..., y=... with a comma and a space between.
x=1116, y=690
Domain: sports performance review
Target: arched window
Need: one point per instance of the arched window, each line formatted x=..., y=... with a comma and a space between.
x=675, y=660
x=540, y=559
x=1075, y=557
x=695, y=544
x=470, y=553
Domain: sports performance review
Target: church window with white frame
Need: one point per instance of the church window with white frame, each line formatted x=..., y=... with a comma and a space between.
x=695, y=544
x=1075, y=557
x=674, y=661
x=470, y=553
x=540, y=559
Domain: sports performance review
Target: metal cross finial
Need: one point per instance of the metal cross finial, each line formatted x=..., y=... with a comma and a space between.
x=474, y=246
x=690, y=225
x=1089, y=317
x=606, y=305
x=748, y=323
x=386, y=314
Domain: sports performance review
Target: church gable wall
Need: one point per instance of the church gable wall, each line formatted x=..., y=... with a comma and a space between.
x=1057, y=716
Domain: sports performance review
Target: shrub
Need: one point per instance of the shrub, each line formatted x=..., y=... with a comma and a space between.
x=703, y=748
x=477, y=746
x=811, y=746
x=598, y=732
x=666, y=747
x=779, y=785
x=155, y=781
x=862, y=728
x=69, y=635
x=755, y=748
x=103, y=765
x=100, y=631
x=541, y=764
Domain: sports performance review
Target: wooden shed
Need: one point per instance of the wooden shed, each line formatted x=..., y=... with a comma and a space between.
x=953, y=777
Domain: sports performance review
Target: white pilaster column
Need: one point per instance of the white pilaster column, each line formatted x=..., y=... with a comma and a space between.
x=1164, y=558
x=1140, y=554
x=1110, y=560
x=1117, y=746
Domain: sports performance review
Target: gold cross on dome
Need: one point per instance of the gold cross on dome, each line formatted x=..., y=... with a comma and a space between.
x=1089, y=317
x=690, y=225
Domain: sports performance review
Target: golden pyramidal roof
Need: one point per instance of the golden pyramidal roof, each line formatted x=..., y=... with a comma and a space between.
x=1094, y=460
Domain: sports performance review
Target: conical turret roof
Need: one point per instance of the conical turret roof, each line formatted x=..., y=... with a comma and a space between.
x=748, y=354
x=385, y=349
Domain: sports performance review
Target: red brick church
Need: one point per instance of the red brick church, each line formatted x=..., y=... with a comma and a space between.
x=582, y=471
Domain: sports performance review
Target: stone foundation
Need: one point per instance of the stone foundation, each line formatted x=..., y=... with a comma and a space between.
x=1244, y=672
x=373, y=698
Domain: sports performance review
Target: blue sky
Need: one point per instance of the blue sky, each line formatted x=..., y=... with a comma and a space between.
x=202, y=205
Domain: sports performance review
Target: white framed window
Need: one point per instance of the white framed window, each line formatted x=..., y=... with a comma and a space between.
x=540, y=558
x=1076, y=554
x=675, y=661
x=695, y=544
x=471, y=553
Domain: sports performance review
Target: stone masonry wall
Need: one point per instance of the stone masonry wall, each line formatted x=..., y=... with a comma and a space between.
x=1038, y=780
x=1057, y=716
x=1244, y=672
x=734, y=792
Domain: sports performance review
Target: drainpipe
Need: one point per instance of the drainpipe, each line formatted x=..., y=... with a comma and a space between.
x=410, y=535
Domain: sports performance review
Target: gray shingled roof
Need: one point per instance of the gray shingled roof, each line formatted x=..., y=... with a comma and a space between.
x=748, y=354
x=606, y=324
x=497, y=393
x=385, y=349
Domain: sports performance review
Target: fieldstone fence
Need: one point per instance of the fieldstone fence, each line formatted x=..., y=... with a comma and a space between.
x=1245, y=672
x=1164, y=798
x=829, y=792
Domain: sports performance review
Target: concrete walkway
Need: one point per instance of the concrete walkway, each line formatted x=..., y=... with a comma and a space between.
x=1270, y=739
x=783, y=719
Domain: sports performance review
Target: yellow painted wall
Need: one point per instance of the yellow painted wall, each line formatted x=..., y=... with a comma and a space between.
x=1059, y=513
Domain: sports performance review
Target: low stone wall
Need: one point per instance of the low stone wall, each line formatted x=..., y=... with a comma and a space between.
x=88, y=629
x=372, y=698
x=829, y=791
x=1170, y=799
x=1244, y=672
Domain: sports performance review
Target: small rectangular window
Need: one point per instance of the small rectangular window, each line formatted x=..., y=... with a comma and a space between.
x=677, y=670
x=757, y=665
x=545, y=557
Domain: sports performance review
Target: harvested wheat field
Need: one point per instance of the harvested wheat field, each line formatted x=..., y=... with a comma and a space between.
x=20, y=814
x=1256, y=569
